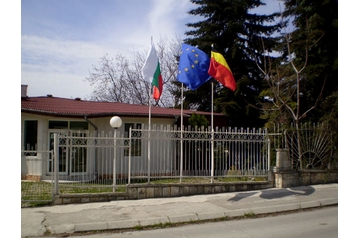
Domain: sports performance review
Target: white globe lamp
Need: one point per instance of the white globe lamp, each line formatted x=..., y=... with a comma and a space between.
x=115, y=122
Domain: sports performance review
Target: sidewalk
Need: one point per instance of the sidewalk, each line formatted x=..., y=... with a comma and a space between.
x=131, y=213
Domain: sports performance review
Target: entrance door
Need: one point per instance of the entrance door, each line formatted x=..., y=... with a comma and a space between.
x=62, y=154
x=72, y=153
x=78, y=152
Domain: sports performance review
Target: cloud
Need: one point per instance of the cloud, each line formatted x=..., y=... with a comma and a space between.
x=168, y=18
x=59, y=47
x=46, y=52
x=58, y=84
x=58, y=67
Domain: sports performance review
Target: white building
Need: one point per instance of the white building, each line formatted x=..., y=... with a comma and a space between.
x=41, y=117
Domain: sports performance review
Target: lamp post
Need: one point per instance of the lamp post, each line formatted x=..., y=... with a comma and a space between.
x=115, y=123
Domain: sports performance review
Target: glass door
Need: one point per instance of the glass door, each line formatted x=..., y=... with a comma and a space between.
x=78, y=152
x=62, y=154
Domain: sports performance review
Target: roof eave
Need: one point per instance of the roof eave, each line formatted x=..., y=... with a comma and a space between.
x=94, y=115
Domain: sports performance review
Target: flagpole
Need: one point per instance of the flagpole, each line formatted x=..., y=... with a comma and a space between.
x=181, y=134
x=149, y=122
x=149, y=128
x=212, y=131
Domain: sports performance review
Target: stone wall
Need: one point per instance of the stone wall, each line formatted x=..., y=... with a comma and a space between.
x=285, y=179
x=142, y=191
x=285, y=176
x=88, y=198
x=34, y=178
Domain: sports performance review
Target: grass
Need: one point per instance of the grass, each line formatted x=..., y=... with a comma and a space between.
x=208, y=180
x=36, y=191
x=40, y=193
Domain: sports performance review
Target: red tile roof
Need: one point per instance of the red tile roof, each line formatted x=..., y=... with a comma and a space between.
x=78, y=108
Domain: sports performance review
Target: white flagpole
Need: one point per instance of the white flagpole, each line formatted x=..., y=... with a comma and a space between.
x=149, y=128
x=149, y=121
x=212, y=131
x=181, y=135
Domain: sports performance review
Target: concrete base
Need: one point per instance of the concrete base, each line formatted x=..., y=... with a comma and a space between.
x=143, y=191
x=285, y=179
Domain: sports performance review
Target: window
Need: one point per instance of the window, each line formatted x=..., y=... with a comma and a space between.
x=72, y=125
x=136, y=144
x=78, y=125
x=30, y=135
x=58, y=125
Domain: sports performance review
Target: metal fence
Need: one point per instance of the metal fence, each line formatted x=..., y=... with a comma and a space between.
x=85, y=162
x=163, y=152
x=194, y=152
x=312, y=147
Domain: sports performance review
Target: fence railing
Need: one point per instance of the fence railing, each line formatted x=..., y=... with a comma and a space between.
x=106, y=161
x=311, y=147
x=205, y=153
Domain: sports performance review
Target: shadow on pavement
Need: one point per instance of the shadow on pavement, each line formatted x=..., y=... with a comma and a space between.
x=275, y=193
x=240, y=196
x=284, y=192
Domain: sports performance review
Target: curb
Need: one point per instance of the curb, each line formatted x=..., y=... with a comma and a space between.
x=128, y=224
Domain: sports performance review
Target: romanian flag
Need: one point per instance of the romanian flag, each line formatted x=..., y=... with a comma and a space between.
x=151, y=72
x=220, y=71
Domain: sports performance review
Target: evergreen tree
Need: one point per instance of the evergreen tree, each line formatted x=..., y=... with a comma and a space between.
x=198, y=120
x=316, y=24
x=237, y=34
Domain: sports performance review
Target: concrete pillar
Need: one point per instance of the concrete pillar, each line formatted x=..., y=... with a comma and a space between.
x=284, y=175
x=283, y=161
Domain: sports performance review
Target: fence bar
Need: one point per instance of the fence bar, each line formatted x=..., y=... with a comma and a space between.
x=114, y=160
x=268, y=154
x=212, y=155
x=56, y=163
x=129, y=156
x=148, y=172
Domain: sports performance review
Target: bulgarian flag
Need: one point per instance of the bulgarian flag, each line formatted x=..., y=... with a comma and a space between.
x=151, y=72
x=220, y=71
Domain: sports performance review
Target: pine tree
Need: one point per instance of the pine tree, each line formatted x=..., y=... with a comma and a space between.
x=237, y=34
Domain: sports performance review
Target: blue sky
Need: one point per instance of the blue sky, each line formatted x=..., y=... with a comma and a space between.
x=61, y=40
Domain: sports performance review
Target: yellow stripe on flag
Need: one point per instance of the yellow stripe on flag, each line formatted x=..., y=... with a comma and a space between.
x=221, y=71
x=220, y=59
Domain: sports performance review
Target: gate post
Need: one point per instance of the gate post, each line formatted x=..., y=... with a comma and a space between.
x=283, y=162
x=284, y=175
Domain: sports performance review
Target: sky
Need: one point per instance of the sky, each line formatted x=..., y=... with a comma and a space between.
x=61, y=40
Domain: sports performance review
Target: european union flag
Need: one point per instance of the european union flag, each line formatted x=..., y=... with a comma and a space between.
x=193, y=67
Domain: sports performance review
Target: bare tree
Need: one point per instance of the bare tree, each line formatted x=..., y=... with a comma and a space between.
x=284, y=81
x=121, y=80
x=167, y=52
x=116, y=81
